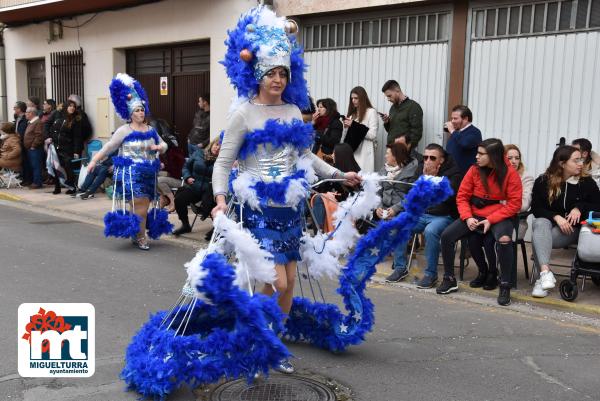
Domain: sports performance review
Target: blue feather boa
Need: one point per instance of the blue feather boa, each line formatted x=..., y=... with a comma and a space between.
x=229, y=338
x=278, y=134
x=158, y=223
x=142, y=136
x=276, y=191
x=121, y=224
x=324, y=325
x=241, y=73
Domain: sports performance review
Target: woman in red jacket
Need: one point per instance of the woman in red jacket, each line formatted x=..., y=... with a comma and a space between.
x=488, y=197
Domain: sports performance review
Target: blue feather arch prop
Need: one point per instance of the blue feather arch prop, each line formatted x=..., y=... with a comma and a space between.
x=324, y=325
x=232, y=335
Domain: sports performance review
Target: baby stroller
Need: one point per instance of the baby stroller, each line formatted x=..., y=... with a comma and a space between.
x=586, y=262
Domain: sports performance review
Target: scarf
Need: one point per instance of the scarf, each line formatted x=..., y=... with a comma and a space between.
x=322, y=123
x=392, y=171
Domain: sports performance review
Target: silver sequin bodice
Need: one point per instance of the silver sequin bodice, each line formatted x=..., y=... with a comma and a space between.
x=269, y=164
x=138, y=150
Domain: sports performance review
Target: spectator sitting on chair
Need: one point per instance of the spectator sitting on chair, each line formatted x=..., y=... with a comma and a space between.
x=94, y=179
x=197, y=178
x=199, y=135
x=334, y=192
x=513, y=154
x=464, y=137
x=328, y=128
x=10, y=150
x=171, y=164
x=591, y=159
x=562, y=197
x=489, y=196
x=436, y=218
x=398, y=167
x=407, y=140
x=33, y=141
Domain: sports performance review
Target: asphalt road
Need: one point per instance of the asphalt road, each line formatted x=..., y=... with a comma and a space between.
x=423, y=346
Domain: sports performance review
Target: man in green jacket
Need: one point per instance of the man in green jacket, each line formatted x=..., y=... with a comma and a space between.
x=406, y=116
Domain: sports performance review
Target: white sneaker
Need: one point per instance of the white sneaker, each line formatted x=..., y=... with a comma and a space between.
x=547, y=280
x=538, y=291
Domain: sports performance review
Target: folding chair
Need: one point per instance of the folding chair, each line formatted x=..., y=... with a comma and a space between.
x=8, y=177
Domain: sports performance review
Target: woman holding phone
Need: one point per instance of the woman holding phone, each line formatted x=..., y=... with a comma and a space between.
x=361, y=111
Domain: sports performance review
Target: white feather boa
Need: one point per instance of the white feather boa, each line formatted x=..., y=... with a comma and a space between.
x=322, y=252
x=252, y=262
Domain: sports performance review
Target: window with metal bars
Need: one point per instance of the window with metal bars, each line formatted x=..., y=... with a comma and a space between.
x=538, y=18
x=389, y=31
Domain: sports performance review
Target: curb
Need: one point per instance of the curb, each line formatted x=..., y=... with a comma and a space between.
x=548, y=302
x=9, y=197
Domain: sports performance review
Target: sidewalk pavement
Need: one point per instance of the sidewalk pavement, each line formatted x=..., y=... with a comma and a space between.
x=93, y=210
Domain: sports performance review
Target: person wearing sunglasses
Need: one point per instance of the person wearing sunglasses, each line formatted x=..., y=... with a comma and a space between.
x=562, y=197
x=436, y=162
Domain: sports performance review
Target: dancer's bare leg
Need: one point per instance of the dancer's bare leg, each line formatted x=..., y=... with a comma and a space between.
x=284, y=284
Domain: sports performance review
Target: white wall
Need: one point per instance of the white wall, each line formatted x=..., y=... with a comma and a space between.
x=532, y=91
x=103, y=39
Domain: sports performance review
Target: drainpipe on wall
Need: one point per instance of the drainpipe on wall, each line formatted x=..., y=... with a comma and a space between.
x=3, y=106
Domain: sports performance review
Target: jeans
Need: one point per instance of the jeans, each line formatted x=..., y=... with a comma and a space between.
x=546, y=237
x=459, y=229
x=94, y=179
x=432, y=226
x=35, y=158
x=319, y=211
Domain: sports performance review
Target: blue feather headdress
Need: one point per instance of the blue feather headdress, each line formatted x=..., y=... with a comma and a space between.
x=127, y=94
x=260, y=42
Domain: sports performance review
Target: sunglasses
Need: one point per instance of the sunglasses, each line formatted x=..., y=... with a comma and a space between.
x=432, y=158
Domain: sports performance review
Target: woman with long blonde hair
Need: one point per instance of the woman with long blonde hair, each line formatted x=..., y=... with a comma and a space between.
x=562, y=197
x=513, y=154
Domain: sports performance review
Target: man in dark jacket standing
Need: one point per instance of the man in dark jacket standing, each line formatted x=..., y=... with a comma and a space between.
x=199, y=136
x=436, y=162
x=20, y=126
x=33, y=142
x=405, y=117
x=464, y=137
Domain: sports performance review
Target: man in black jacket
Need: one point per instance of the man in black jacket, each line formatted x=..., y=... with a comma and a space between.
x=436, y=162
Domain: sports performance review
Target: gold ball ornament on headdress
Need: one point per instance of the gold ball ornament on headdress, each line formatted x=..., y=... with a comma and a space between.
x=291, y=27
x=246, y=55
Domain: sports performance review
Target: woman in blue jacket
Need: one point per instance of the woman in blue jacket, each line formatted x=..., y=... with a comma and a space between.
x=197, y=178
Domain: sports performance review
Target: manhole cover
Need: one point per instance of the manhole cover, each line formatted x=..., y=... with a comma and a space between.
x=275, y=388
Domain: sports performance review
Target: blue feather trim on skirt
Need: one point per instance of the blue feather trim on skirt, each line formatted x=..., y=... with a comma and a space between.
x=277, y=229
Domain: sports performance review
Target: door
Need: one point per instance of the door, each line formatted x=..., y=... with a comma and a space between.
x=183, y=71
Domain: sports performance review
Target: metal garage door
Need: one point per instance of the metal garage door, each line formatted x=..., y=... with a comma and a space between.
x=412, y=49
x=533, y=75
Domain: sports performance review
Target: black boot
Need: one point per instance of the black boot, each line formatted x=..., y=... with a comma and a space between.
x=504, y=295
x=184, y=229
x=491, y=281
x=479, y=281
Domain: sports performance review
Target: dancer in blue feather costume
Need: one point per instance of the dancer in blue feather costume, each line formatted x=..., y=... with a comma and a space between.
x=218, y=331
x=135, y=168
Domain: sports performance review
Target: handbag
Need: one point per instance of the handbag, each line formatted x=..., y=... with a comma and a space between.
x=355, y=135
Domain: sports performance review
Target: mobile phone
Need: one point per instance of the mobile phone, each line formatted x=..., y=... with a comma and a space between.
x=381, y=114
x=343, y=117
